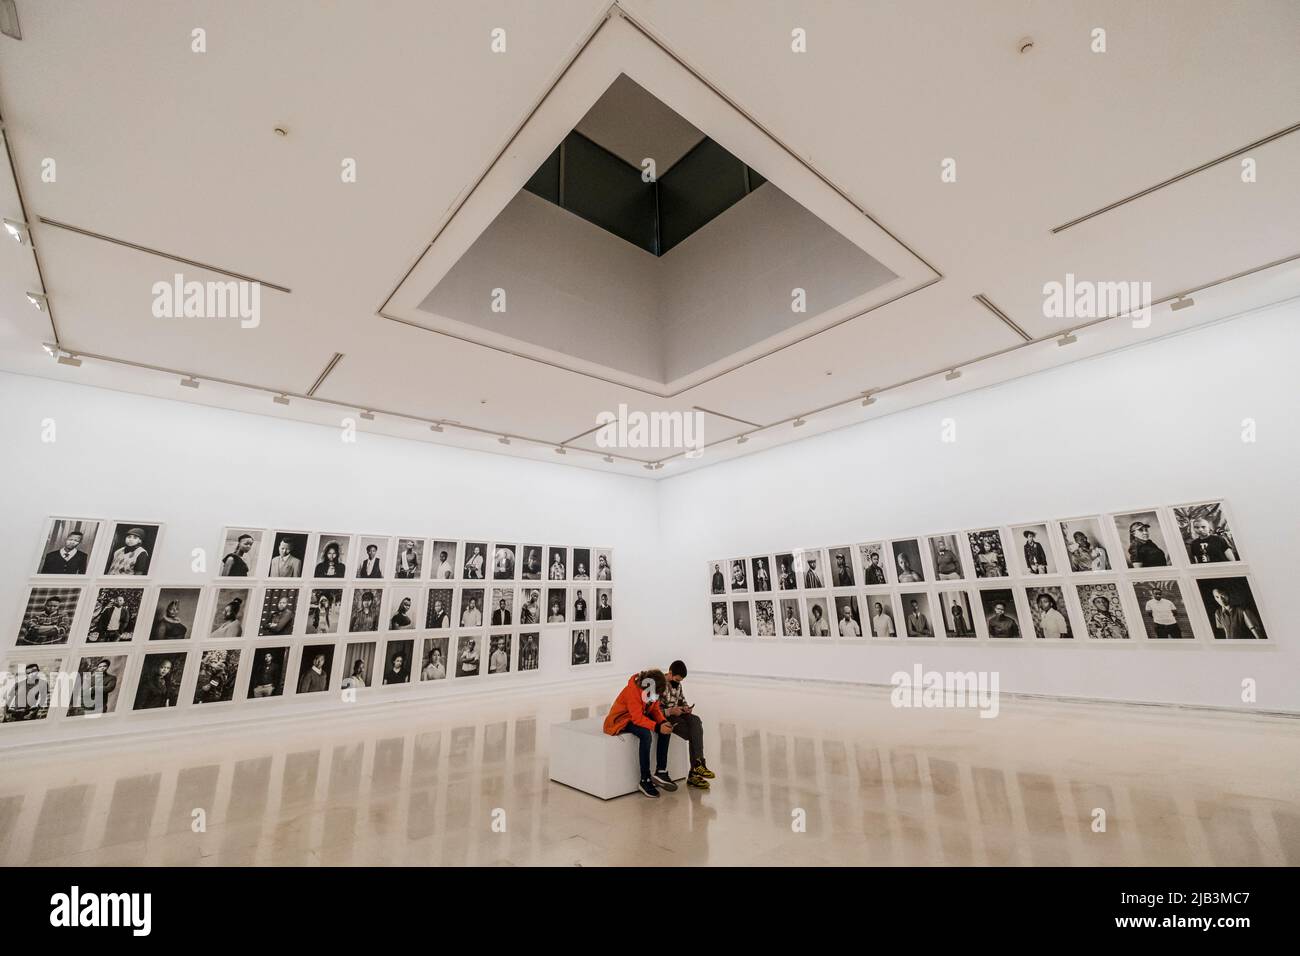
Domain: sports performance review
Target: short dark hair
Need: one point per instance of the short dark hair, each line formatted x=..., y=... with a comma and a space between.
x=678, y=668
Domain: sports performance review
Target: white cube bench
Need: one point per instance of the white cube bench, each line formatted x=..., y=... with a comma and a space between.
x=586, y=758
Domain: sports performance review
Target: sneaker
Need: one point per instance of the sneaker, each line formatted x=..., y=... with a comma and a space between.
x=647, y=789
x=702, y=769
x=696, y=781
x=662, y=779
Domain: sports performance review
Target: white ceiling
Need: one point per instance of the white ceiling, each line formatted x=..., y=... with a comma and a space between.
x=174, y=150
x=633, y=125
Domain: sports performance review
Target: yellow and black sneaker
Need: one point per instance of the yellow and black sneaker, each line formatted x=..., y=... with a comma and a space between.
x=696, y=781
x=702, y=770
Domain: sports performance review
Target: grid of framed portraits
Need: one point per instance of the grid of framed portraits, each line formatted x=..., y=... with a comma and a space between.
x=1171, y=575
x=289, y=614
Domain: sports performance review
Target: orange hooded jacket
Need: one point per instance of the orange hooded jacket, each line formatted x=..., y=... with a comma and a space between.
x=629, y=708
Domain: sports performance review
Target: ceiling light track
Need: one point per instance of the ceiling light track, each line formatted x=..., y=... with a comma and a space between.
x=91, y=234
x=66, y=357
x=1062, y=337
x=27, y=219
x=1010, y=323
x=1175, y=179
x=320, y=379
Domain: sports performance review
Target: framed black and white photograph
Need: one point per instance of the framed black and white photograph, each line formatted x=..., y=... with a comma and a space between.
x=67, y=547
x=399, y=657
x=115, y=614
x=408, y=562
x=786, y=577
x=739, y=575
x=1230, y=606
x=603, y=649
x=503, y=607
x=1033, y=546
x=218, y=672
x=476, y=562
x=764, y=619
x=530, y=609
x=1085, y=546
x=810, y=565
x=1163, y=608
x=174, y=614
x=471, y=607
x=872, y=558
x=279, y=612
x=741, y=625
x=791, y=617
x=228, y=616
x=531, y=563
x=358, y=666
x=372, y=557
x=366, y=610
x=557, y=564
x=1001, y=616
x=880, y=615
x=433, y=658
x=97, y=685
x=159, y=686
x=315, y=668
x=988, y=554
x=48, y=616
x=841, y=568
x=1103, y=611
x=28, y=687
x=499, y=650
x=241, y=552
x=1048, y=613
x=918, y=619
x=1207, y=535
x=131, y=548
x=267, y=672
x=579, y=647
x=582, y=564
x=907, y=561
x=555, y=609
x=946, y=556
x=529, y=650
x=403, y=608
x=437, y=614
x=604, y=604
x=761, y=573
x=444, y=559
x=468, y=652
x=819, y=616
x=958, y=621
x=604, y=564
x=503, y=562
x=848, y=619
x=581, y=612
x=720, y=623
x=332, y=554
x=288, y=554
x=324, y=610
x=1143, y=540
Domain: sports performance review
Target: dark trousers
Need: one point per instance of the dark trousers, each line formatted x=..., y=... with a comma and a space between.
x=1168, y=630
x=643, y=737
x=692, y=728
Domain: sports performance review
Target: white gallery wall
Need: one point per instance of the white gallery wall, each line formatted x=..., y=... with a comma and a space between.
x=1159, y=424
x=198, y=469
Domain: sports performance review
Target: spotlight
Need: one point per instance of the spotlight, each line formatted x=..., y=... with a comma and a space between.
x=18, y=230
x=648, y=466
x=281, y=399
x=742, y=439
x=1069, y=338
x=800, y=422
x=67, y=358
x=561, y=450
x=504, y=439
x=868, y=399
x=695, y=453
x=953, y=375
x=190, y=382
x=1182, y=302
x=608, y=459
x=658, y=465
x=50, y=350
x=368, y=415
x=435, y=427
x=39, y=299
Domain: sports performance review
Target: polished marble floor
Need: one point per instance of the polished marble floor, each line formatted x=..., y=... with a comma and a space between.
x=465, y=783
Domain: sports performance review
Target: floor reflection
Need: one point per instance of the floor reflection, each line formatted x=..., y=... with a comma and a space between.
x=847, y=780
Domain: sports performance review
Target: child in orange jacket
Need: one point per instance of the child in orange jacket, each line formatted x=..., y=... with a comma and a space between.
x=636, y=711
